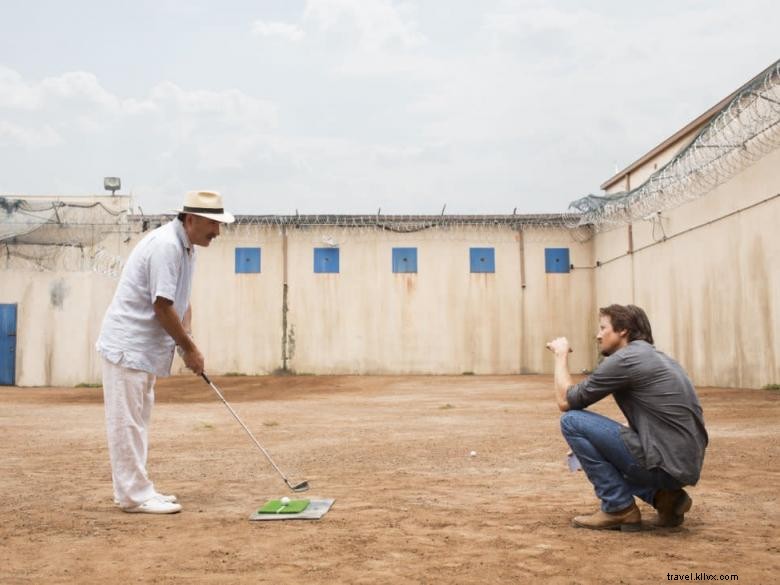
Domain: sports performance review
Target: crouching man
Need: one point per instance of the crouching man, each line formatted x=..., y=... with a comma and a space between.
x=662, y=448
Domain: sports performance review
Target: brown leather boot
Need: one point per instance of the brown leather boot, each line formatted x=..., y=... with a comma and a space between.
x=671, y=506
x=628, y=520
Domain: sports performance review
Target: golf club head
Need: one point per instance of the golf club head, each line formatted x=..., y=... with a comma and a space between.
x=301, y=487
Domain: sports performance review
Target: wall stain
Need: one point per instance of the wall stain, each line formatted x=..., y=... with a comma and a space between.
x=759, y=281
x=58, y=291
x=291, y=343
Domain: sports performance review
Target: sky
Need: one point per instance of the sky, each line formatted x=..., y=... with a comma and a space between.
x=351, y=106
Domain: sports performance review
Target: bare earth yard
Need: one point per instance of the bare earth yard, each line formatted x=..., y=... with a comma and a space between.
x=412, y=506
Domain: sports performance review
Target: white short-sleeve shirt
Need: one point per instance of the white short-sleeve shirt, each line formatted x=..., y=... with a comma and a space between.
x=161, y=265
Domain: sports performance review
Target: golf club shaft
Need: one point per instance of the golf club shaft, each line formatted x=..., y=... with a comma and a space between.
x=248, y=432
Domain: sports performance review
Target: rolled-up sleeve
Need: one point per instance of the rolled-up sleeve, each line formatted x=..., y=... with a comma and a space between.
x=611, y=376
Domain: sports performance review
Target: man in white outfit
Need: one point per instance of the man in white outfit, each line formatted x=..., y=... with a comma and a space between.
x=148, y=317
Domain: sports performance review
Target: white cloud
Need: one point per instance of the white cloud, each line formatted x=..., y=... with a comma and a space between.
x=15, y=93
x=378, y=23
x=392, y=155
x=371, y=38
x=166, y=140
x=541, y=17
x=29, y=137
x=290, y=32
x=82, y=92
x=78, y=87
x=229, y=106
x=397, y=104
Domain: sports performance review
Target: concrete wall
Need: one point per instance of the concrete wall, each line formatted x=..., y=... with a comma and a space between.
x=558, y=304
x=706, y=272
x=710, y=288
x=58, y=320
x=237, y=318
x=366, y=319
x=59, y=311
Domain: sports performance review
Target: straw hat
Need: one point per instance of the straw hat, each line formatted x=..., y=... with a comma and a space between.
x=206, y=204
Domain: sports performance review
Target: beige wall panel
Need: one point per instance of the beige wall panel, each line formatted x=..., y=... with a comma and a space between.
x=557, y=304
x=610, y=243
x=366, y=319
x=442, y=319
x=614, y=283
x=58, y=320
x=613, y=277
x=711, y=293
x=237, y=318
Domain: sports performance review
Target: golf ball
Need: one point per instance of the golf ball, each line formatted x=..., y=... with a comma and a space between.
x=473, y=454
x=285, y=500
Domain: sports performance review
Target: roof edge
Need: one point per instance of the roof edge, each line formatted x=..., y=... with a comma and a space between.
x=689, y=128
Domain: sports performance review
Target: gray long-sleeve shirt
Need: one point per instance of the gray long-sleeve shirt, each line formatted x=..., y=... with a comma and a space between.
x=660, y=404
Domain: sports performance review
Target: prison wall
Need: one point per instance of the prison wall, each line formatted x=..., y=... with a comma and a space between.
x=56, y=277
x=367, y=319
x=58, y=320
x=237, y=317
x=708, y=274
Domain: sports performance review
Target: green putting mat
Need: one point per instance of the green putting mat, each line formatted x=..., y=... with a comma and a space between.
x=277, y=507
x=312, y=509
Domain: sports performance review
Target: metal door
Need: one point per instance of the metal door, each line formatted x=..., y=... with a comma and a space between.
x=7, y=345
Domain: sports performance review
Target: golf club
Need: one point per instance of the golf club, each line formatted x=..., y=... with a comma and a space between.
x=299, y=487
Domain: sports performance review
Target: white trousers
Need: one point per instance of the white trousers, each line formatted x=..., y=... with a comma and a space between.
x=128, y=396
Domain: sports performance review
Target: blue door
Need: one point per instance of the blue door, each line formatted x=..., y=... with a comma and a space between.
x=7, y=345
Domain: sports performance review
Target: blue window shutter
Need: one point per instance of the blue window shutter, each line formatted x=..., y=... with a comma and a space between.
x=326, y=260
x=482, y=259
x=556, y=260
x=247, y=260
x=404, y=259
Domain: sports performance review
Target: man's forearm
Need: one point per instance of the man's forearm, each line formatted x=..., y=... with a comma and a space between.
x=170, y=321
x=187, y=321
x=563, y=380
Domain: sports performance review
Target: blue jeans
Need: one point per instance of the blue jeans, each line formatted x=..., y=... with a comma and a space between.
x=615, y=474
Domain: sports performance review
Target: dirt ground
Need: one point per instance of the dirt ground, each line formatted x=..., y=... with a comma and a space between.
x=412, y=505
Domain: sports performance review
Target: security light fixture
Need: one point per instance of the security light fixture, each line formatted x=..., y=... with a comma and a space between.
x=112, y=184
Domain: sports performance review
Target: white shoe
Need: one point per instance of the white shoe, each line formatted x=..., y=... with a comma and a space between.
x=154, y=505
x=170, y=498
x=164, y=497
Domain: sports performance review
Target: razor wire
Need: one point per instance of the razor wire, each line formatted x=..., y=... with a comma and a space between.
x=59, y=258
x=44, y=234
x=744, y=131
x=55, y=235
x=403, y=223
x=332, y=230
